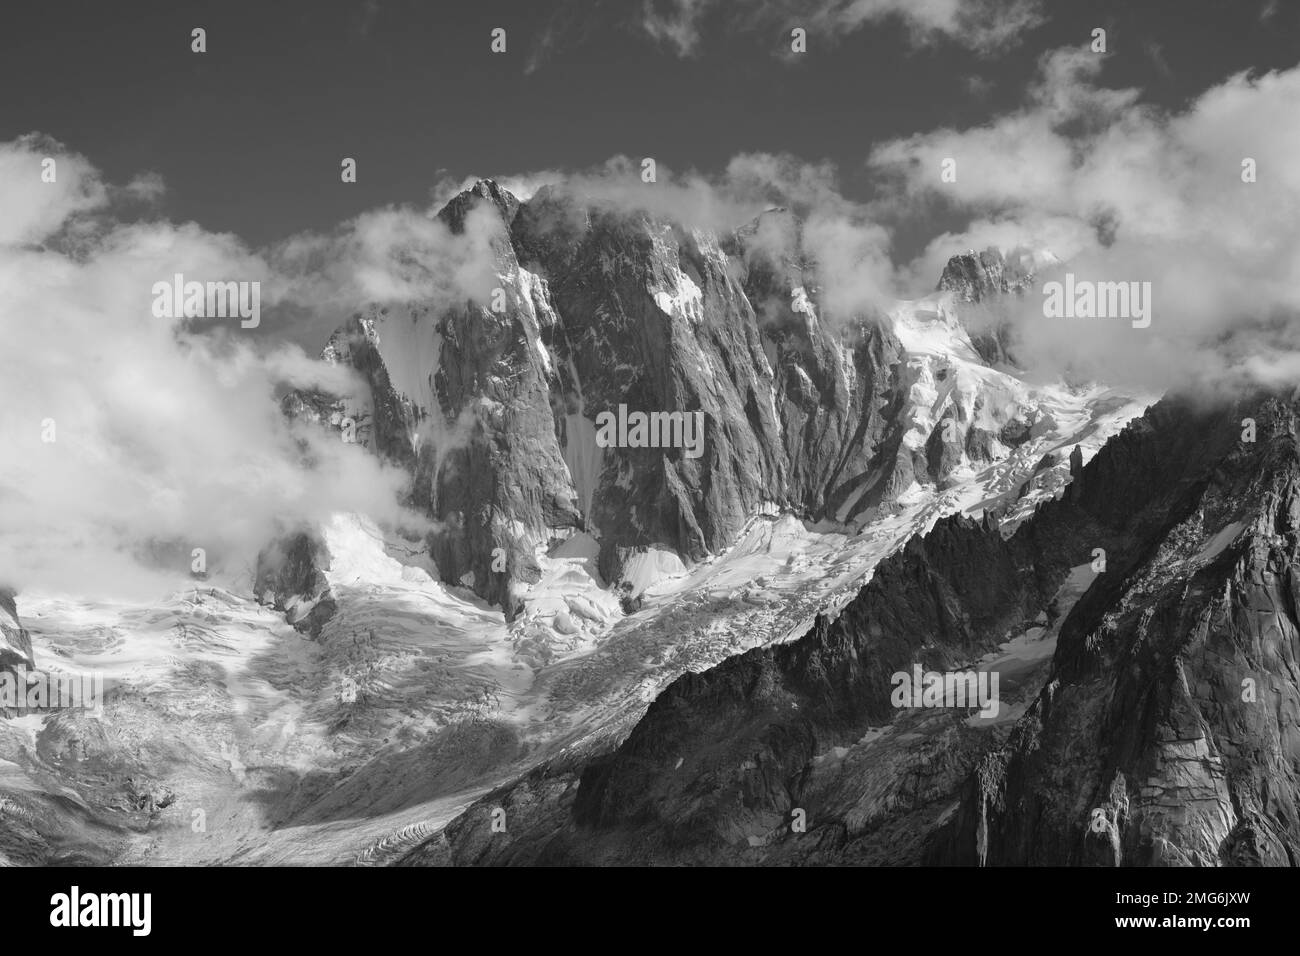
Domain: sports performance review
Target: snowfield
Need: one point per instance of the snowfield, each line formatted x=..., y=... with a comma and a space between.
x=228, y=737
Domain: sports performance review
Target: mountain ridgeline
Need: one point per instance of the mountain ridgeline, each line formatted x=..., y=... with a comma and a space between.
x=493, y=406
x=1164, y=729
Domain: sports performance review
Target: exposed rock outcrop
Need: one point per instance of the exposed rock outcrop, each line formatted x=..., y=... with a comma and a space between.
x=290, y=577
x=15, y=644
x=495, y=405
x=977, y=278
x=1161, y=731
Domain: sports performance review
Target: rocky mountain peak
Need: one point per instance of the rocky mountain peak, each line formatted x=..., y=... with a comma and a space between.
x=496, y=409
x=15, y=645
x=483, y=191
x=1143, y=625
x=974, y=276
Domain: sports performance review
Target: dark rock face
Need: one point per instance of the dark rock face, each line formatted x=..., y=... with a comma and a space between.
x=1162, y=731
x=623, y=348
x=391, y=422
x=1173, y=702
x=655, y=317
x=502, y=487
x=944, y=449
x=978, y=277
x=15, y=643
x=838, y=390
x=459, y=207
x=290, y=577
x=597, y=310
x=16, y=656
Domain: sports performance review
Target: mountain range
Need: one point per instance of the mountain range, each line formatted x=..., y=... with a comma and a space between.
x=593, y=654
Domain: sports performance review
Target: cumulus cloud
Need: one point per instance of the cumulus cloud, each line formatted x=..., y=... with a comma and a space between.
x=1118, y=189
x=36, y=207
x=685, y=28
x=165, y=438
x=981, y=25
x=169, y=435
x=1124, y=192
x=391, y=255
x=830, y=236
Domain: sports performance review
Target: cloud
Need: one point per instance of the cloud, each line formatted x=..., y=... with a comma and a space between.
x=1125, y=192
x=675, y=23
x=685, y=28
x=364, y=18
x=750, y=184
x=169, y=435
x=985, y=26
x=36, y=207
x=390, y=255
x=836, y=238
x=166, y=438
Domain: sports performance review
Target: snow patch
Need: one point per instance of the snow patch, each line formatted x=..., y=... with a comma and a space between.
x=646, y=569
x=685, y=300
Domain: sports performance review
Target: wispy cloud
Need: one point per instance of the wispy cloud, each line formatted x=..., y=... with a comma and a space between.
x=685, y=28
x=126, y=435
x=985, y=26
x=169, y=434
x=1127, y=192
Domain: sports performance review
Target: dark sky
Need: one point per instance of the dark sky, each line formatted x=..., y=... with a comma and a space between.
x=249, y=136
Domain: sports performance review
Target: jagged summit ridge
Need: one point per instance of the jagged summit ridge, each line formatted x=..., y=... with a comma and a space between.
x=1148, y=710
x=493, y=406
x=974, y=276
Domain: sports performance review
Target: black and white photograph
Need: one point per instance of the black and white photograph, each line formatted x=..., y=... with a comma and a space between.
x=683, y=434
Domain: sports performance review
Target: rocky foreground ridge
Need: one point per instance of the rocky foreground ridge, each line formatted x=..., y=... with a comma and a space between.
x=493, y=404
x=1150, y=715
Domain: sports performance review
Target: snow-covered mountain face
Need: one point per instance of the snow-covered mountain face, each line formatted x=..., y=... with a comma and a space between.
x=15, y=645
x=600, y=315
x=565, y=583
x=1146, y=715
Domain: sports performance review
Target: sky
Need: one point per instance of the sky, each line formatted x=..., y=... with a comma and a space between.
x=129, y=434
x=248, y=136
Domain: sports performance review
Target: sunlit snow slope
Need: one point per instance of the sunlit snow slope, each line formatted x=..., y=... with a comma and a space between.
x=229, y=737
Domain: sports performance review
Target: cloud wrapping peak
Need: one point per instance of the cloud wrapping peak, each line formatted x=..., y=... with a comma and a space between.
x=131, y=440
x=1126, y=193
x=169, y=435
